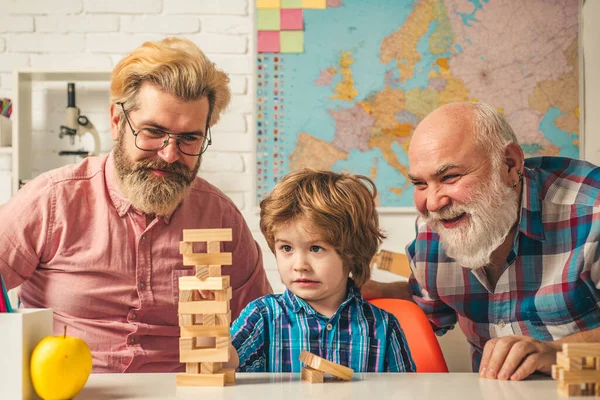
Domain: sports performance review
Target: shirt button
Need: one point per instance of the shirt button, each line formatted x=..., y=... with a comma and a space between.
x=143, y=238
x=132, y=340
x=501, y=324
x=329, y=327
x=142, y=285
x=134, y=315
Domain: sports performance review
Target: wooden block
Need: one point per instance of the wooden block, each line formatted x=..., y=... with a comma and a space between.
x=554, y=371
x=204, y=330
x=207, y=259
x=223, y=319
x=318, y=363
x=202, y=272
x=214, y=247
x=311, y=375
x=203, y=307
x=204, y=355
x=590, y=363
x=214, y=270
x=581, y=349
x=186, y=343
x=223, y=295
x=186, y=295
x=229, y=375
x=184, y=379
x=186, y=247
x=569, y=363
x=222, y=342
x=207, y=235
x=209, y=320
x=210, y=367
x=211, y=283
x=569, y=389
x=395, y=263
x=583, y=376
x=192, y=368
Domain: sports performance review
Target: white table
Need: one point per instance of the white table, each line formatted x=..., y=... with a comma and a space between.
x=289, y=386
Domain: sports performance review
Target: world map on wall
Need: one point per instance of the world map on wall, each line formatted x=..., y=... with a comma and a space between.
x=371, y=70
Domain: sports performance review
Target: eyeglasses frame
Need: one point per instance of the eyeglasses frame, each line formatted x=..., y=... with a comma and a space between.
x=170, y=136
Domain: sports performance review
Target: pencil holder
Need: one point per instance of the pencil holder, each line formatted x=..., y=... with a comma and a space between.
x=5, y=132
x=20, y=332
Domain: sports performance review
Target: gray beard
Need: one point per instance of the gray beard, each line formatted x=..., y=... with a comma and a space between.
x=492, y=213
x=151, y=194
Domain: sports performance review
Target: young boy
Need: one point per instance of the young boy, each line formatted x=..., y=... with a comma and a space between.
x=323, y=229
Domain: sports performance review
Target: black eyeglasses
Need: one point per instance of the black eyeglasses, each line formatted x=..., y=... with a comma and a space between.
x=150, y=139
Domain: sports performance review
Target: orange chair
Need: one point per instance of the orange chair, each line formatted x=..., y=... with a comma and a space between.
x=421, y=339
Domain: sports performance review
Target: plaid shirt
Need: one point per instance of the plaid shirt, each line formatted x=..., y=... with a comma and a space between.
x=271, y=332
x=549, y=285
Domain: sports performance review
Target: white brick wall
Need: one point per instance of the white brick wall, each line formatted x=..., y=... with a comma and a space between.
x=93, y=34
x=79, y=24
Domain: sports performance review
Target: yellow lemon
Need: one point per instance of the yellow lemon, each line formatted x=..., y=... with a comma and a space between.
x=60, y=366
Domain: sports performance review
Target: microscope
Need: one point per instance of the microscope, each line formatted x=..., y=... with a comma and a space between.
x=77, y=125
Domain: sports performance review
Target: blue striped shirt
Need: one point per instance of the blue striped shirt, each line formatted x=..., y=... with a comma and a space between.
x=271, y=332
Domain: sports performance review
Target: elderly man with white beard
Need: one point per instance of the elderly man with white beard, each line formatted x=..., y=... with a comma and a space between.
x=505, y=246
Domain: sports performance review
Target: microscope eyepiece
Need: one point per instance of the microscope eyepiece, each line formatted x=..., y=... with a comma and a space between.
x=70, y=95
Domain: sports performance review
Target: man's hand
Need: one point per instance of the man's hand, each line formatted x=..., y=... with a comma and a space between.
x=516, y=357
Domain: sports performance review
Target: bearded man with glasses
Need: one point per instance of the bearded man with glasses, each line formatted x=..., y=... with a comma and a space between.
x=98, y=242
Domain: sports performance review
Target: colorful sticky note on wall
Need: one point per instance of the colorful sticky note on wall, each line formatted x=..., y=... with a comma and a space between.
x=268, y=4
x=268, y=42
x=291, y=19
x=292, y=41
x=291, y=3
x=268, y=19
x=314, y=3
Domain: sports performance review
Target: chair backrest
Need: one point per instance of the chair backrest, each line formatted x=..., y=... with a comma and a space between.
x=422, y=341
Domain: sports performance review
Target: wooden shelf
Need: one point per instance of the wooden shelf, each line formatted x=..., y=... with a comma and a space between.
x=6, y=150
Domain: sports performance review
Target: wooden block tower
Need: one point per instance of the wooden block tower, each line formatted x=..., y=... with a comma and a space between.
x=204, y=324
x=577, y=369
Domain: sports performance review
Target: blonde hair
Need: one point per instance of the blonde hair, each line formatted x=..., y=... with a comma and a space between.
x=340, y=206
x=178, y=67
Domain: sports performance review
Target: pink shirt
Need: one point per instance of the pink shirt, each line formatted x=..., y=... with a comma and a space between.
x=78, y=246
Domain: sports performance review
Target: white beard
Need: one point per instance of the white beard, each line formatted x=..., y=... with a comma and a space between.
x=491, y=213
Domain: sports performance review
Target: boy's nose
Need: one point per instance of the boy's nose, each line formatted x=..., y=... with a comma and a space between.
x=301, y=264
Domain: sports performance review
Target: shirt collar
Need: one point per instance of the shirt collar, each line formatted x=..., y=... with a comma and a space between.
x=296, y=303
x=530, y=223
x=120, y=202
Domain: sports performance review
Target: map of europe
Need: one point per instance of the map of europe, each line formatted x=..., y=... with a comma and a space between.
x=372, y=69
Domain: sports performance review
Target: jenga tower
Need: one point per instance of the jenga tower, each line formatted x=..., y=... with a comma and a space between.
x=577, y=369
x=203, y=320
